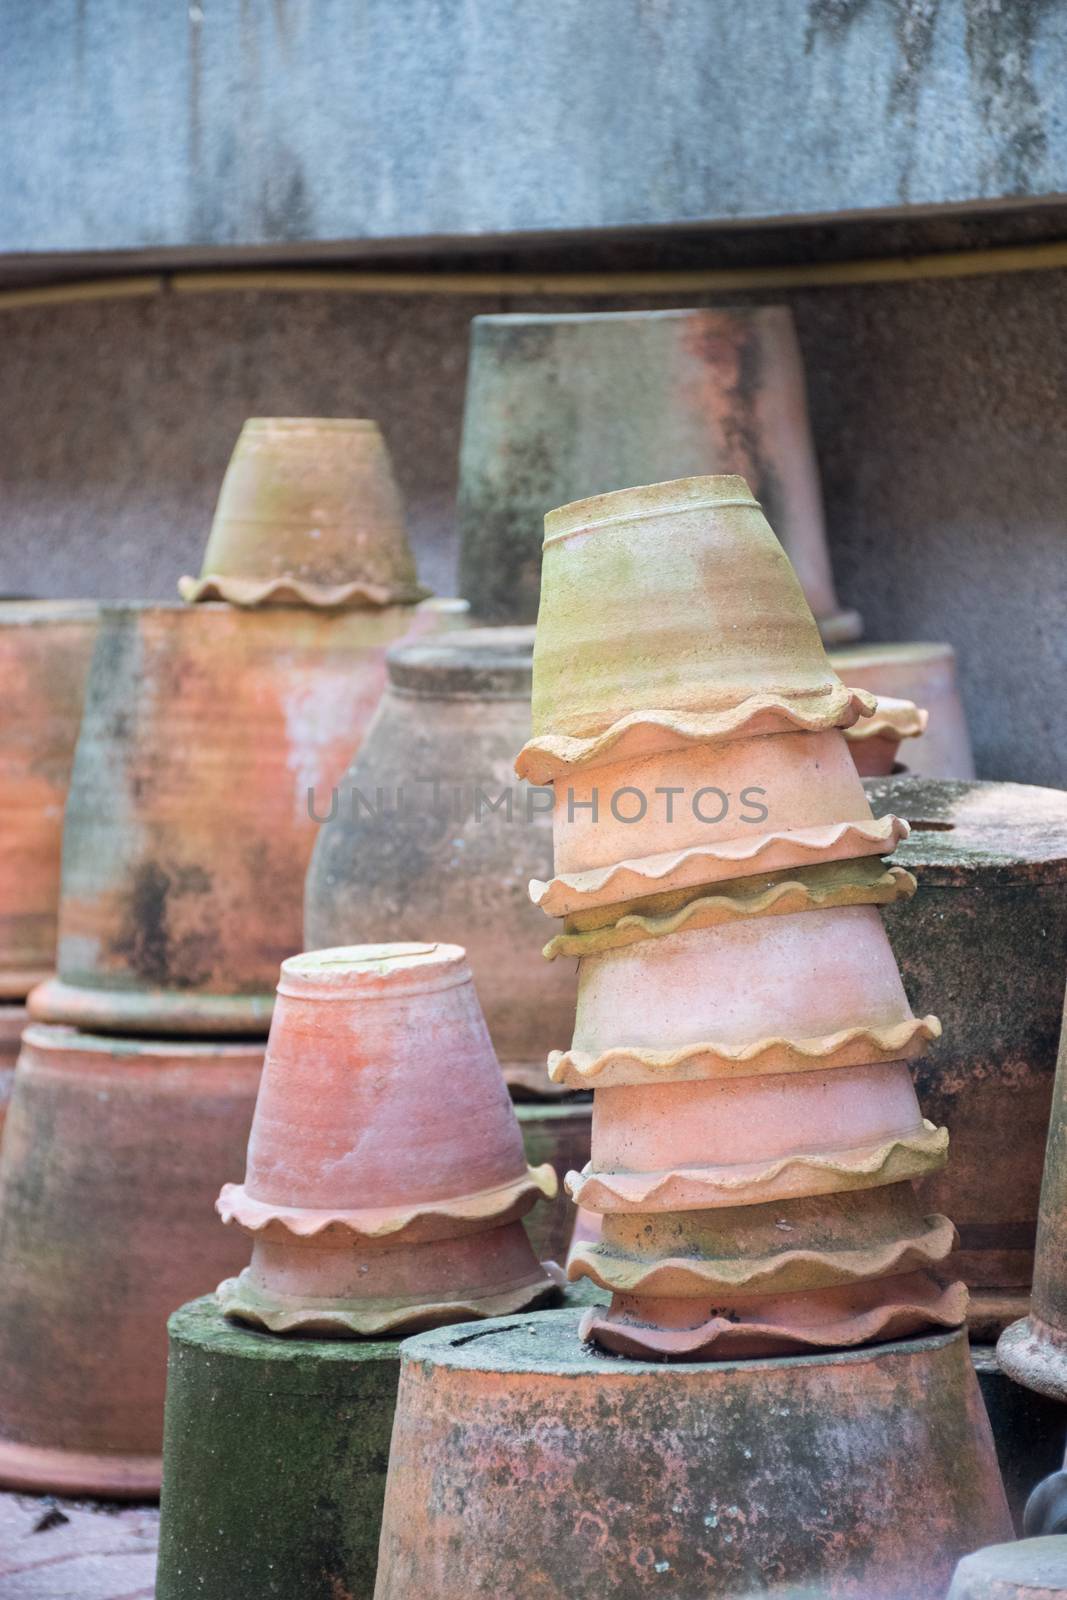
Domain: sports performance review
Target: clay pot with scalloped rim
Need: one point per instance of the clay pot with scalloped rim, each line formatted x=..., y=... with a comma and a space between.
x=875, y=741
x=309, y=514
x=386, y=1178
x=926, y=675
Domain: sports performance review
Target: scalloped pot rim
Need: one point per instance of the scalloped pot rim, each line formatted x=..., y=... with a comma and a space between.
x=293, y=591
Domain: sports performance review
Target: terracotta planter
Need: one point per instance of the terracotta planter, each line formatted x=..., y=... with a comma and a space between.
x=638, y=582
x=926, y=675
x=113, y=1152
x=386, y=1179
x=431, y=832
x=1033, y=1569
x=875, y=741
x=190, y=821
x=13, y=1019
x=991, y=864
x=561, y=407
x=525, y=1464
x=45, y=646
x=309, y=514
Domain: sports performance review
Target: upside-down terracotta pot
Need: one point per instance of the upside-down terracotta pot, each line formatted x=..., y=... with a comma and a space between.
x=1032, y=1569
x=211, y=737
x=386, y=1179
x=309, y=514
x=562, y=407
x=875, y=741
x=638, y=583
x=926, y=675
x=429, y=830
x=526, y=1464
x=13, y=1019
x=113, y=1153
x=45, y=647
x=984, y=942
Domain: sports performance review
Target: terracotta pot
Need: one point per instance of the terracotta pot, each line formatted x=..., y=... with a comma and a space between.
x=991, y=863
x=190, y=822
x=670, y=614
x=45, y=646
x=13, y=1018
x=1033, y=1569
x=113, y=1152
x=561, y=407
x=525, y=1464
x=926, y=675
x=558, y=1135
x=309, y=514
x=453, y=853
x=386, y=1177
x=875, y=741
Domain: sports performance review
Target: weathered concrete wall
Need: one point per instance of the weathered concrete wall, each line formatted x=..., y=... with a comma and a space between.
x=937, y=407
x=224, y=124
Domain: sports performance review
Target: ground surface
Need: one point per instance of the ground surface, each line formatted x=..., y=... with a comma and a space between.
x=73, y=1550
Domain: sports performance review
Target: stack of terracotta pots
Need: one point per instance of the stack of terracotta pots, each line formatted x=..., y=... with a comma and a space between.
x=740, y=1015
x=208, y=731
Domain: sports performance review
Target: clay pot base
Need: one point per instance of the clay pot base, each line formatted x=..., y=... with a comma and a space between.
x=864, y=881
x=163, y=1013
x=75, y=1472
x=1035, y=1355
x=521, y=1449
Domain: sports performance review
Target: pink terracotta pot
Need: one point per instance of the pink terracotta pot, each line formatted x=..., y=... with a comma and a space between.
x=875, y=741
x=309, y=514
x=926, y=675
x=45, y=646
x=13, y=1019
x=386, y=1178
x=113, y=1153
x=190, y=821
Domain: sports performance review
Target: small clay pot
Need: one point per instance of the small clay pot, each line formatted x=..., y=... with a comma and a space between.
x=45, y=646
x=431, y=831
x=309, y=514
x=113, y=1153
x=211, y=738
x=13, y=1019
x=875, y=741
x=386, y=1179
x=562, y=407
x=926, y=675
x=525, y=1464
x=639, y=582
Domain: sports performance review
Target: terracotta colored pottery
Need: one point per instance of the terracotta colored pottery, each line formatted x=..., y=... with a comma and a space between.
x=875, y=741
x=386, y=1179
x=45, y=646
x=239, y=1404
x=210, y=739
x=984, y=942
x=669, y=615
x=13, y=1018
x=113, y=1152
x=1033, y=1569
x=926, y=675
x=558, y=1135
x=309, y=514
x=431, y=831
x=525, y=1464
x=562, y=407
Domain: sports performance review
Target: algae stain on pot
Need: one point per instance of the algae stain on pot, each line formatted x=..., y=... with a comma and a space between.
x=147, y=939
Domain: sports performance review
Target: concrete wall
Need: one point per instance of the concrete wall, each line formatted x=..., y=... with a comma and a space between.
x=223, y=123
x=937, y=407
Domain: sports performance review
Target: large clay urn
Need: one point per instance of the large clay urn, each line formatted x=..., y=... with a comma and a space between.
x=430, y=831
x=386, y=1177
x=45, y=648
x=210, y=736
x=562, y=407
x=114, y=1150
x=926, y=675
x=309, y=514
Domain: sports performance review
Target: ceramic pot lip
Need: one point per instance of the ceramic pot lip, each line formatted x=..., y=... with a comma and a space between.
x=620, y=507
x=58, y=1038
x=538, y=319
x=474, y=663
x=362, y=972
x=310, y=425
x=170, y=1013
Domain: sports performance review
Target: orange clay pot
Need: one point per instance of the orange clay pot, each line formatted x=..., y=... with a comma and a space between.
x=636, y=583
x=45, y=646
x=790, y=994
x=309, y=514
x=926, y=675
x=13, y=1018
x=875, y=741
x=386, y=1177
x=113, y=1153
x=431, y=831
x=209, y=736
